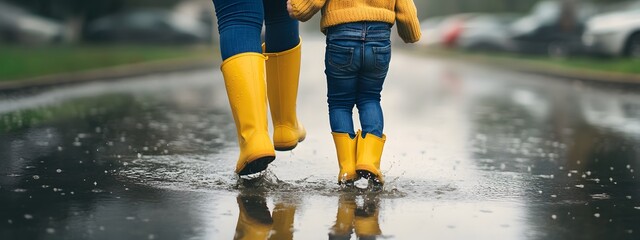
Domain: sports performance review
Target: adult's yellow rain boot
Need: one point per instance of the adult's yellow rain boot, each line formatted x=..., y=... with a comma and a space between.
x=254, y=220
x=369, y=152
x=283, y=74
x=366, y=222
x=343, y=228
x=244, y=79
x=283, y=215
x=346, y=150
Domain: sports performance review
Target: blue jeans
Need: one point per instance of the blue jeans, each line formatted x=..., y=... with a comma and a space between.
x=357, y=61
x=240, y=25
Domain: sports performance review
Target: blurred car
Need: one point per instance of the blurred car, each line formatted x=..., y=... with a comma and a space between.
x=489, y=32
x=443, y=30
x=147, y=26
x=19, y=26
x=430, y=29
x=553, y=27
x=615, y=33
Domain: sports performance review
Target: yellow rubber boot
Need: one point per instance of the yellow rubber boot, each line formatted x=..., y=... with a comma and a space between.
x=244, y=79
x=254, y=220
x=283, y=216
x=283, y=74
x=346, y=150
x=369, y=152
x=343, y=228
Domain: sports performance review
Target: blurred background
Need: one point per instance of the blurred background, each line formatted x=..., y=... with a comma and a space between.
x=40, y=37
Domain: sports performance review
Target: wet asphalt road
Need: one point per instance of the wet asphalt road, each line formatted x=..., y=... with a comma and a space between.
x=472, y=152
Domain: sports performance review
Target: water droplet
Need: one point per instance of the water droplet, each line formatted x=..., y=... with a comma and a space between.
x=95, y=183
x=554, y=196
x=28, y=216
x=58, y=170
x=36, y=177
x=59, y=148
x=596, y=215
x=554, y=217
x=580, y=186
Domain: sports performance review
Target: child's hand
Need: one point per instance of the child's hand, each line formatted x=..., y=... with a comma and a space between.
x=290, y=8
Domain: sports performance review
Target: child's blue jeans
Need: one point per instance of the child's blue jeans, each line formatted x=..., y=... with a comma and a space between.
x=240, y=25
x=357, y=61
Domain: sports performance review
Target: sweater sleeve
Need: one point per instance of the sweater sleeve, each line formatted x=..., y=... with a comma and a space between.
x=303, y=10
x=407, y=20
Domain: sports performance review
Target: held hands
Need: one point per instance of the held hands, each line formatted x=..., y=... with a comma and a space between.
x=290, y=9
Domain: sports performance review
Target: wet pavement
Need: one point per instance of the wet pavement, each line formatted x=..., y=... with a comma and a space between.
x=472, y=152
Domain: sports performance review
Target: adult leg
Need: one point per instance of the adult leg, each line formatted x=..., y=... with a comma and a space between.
x=239, y=25
x=243, y=69
x=283, y=50
x=281, y=31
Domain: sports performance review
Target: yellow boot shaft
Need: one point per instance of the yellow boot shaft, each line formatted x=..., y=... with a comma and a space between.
x=283, y=215
x=369, y=154
x=283, y=74
x=346, y=152
x=345, y=217
x=244, y=78
x=254, y=220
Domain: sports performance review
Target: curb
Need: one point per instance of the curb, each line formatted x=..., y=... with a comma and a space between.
x=110, y=73
x=527, y=66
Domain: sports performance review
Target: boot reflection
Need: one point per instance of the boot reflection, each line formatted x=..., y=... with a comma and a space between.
x=361, y=217
x=256, y=223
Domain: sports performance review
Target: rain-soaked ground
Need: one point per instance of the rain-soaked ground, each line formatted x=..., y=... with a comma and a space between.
x=472, y=153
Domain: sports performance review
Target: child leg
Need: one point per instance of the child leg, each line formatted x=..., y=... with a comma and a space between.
x=341, y=71
x=371, y=79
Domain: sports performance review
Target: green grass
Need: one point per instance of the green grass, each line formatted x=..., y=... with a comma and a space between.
x=616, y=65
x=19, y=62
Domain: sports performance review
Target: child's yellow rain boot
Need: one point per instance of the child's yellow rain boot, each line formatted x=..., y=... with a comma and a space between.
x=369, y=152
x=254, y=220
x=283, y=74
x=283, y=215
x=343, y=228
x=244, y=79
x=346, y=151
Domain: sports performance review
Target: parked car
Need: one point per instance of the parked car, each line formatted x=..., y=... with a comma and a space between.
x=20, y=26
x=486, y=32
x=615, y=33
x=147, y=26
x=553, y=27
x=443, y=30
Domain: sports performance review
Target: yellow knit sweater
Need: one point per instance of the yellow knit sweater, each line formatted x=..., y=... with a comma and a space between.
x=336, y=12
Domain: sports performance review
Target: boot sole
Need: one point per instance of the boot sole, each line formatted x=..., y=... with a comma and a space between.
x=257, y=165
x=368, y=175
x=289, y=146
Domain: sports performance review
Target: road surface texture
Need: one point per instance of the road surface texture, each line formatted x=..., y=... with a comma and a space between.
x=472, y=153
